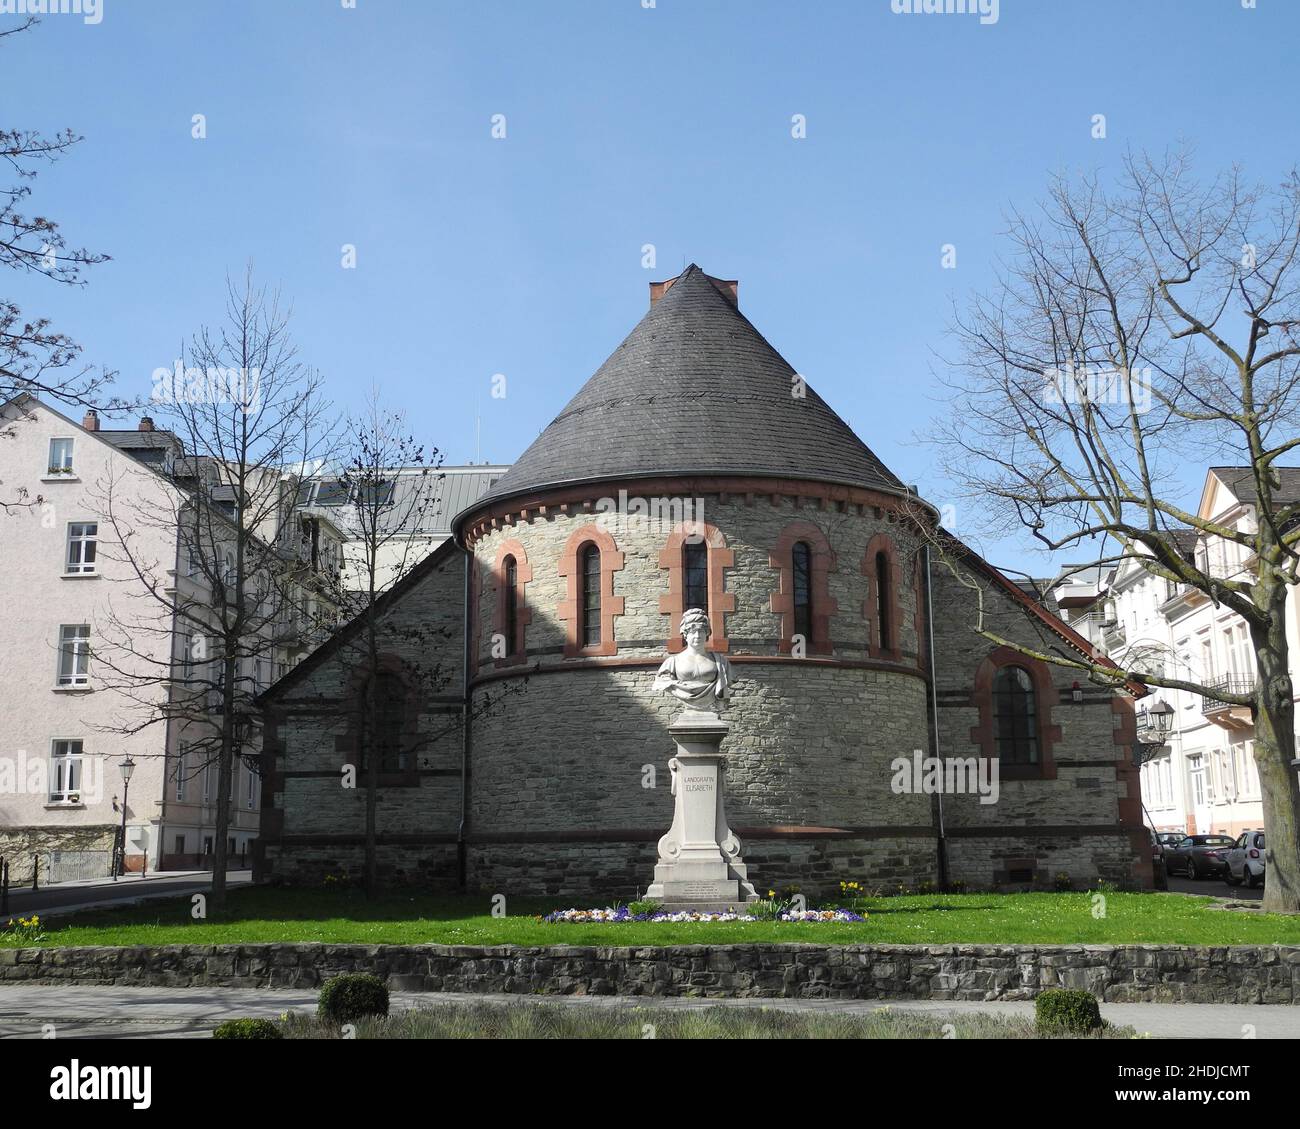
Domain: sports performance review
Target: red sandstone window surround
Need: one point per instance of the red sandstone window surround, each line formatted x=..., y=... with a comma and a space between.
x=685, y=539
x=511, y=623
x=606, y=605
x=883, y=608
x=1015, y=696
x=822, y=605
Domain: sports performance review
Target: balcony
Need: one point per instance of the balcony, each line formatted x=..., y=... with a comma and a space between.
x=1183, y=599
x=1114, y=637
x=1225, y=715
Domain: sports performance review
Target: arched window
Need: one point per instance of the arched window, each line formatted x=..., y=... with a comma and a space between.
x=884, y=601
x=801, y=558
x=589, y=574
x=511, y=610
x=1015, y=716
x=387, y=728
x=695, y=565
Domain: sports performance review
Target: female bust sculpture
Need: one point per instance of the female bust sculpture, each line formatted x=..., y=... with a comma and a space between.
x=695, y=677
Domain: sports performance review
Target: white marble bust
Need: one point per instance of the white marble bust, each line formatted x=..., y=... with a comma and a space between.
x=696, y=678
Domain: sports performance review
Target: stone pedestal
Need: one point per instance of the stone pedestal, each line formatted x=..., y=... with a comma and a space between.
x=699, y=863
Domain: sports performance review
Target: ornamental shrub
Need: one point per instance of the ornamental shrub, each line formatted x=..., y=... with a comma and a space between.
x=1067, y=1009
x=248, y=1029
x=352, y=996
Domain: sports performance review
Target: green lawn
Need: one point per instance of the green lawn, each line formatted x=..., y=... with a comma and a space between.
x=271, y=914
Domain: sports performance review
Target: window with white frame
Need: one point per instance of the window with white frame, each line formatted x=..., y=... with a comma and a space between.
x=83, y=539
x=65, y=771
x=182, y=771
x=207, y=781
x=74, y=654
x=60, y=456
x=250, y=788
x=1196, y=770
x=1241, y=656
x=1243, y=759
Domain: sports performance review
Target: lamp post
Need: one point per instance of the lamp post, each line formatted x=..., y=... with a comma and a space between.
x=1157, y=722
x=128, y=767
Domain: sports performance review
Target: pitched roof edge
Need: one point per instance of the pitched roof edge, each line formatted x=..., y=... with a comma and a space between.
x=345, y=633
x=1052, y=622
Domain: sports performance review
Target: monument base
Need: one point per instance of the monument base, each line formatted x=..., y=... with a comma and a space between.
x=699, y=865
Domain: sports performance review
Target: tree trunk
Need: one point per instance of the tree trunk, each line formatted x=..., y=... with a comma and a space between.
x=225, y=759
x=1275, y=746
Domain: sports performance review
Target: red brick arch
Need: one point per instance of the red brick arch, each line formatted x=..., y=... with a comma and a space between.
x=883, y=543
x=720, y=602
x=611, y=606
x=523, y=613
x=782, y=602
x=1046, y=697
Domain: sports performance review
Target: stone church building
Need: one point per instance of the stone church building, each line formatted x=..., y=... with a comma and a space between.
x=524, y=750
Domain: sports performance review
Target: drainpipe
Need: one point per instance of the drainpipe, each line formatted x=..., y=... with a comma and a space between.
x=466, y=739
x=934, y=716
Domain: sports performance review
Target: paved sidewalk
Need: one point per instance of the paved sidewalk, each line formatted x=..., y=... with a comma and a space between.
x=101, y=893
x=153, y=1013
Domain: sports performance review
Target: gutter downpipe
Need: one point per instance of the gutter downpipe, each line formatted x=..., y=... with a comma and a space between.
x=934, y=718
x=466, y=737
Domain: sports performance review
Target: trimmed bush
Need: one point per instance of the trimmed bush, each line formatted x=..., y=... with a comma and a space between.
x=1067, y=1009
x=248, y=1029
x=352, y=996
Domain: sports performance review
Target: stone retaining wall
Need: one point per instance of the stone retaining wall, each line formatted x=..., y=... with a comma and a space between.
x=1248, y=974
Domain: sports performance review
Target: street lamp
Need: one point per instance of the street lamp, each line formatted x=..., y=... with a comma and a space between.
x=1162, y=719
x=128, y=767
x=1156, y=724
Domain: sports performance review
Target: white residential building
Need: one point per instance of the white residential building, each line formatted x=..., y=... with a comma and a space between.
x=1203, y=778
x=64, y=734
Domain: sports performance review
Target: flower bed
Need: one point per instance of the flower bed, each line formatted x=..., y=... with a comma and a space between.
x=622, y=913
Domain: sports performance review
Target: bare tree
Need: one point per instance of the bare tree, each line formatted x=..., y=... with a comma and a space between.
x=202, y=634
x=391, y=485
x=1132, y=332
x=34, y=357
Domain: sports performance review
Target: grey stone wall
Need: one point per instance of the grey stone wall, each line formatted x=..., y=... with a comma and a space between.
x=1247, y=974
x=20, y=845
x=1092, y=804
x=562, y=749
x=312, y=825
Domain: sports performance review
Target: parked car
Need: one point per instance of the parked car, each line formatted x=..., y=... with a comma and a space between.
x=1171, y=838
x=1245, y=860
x=1199, y=856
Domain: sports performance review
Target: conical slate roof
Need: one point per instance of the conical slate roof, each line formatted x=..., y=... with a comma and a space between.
x=694, y=389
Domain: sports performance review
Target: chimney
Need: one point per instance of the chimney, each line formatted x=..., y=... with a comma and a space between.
x=91, y=420
x=727, y=287
x=146, y=423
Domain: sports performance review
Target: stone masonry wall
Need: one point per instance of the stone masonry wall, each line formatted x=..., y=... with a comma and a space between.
x=312, y=825
x=1248, y=974
x=19, y=846
x=1091, y=805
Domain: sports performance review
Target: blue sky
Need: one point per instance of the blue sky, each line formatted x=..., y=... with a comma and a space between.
x=626, y=125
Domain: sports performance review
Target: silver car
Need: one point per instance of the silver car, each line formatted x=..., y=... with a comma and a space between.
x=1245, y=860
